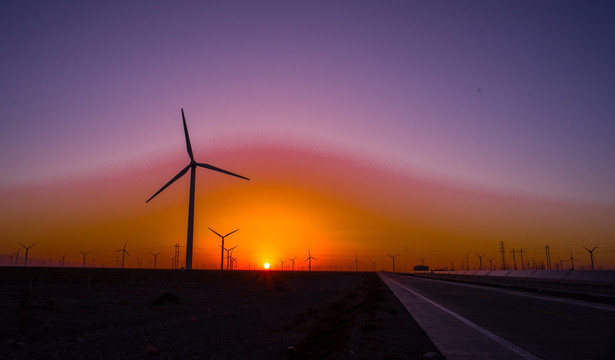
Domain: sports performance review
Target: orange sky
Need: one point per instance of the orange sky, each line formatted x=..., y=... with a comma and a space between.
x=337, y=205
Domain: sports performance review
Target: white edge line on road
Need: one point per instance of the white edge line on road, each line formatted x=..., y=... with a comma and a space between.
x=604, y=307
x=519, y=351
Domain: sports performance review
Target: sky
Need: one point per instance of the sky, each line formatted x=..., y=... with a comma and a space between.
x=432, y=129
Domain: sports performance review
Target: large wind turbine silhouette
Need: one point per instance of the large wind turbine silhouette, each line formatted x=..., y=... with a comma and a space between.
x=192, y=167
x=222, y=245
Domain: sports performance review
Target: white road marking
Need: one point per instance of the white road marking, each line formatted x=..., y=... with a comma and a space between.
x=605, y=307
x=512, y=347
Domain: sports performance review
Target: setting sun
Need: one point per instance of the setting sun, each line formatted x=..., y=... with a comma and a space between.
x=267, y=266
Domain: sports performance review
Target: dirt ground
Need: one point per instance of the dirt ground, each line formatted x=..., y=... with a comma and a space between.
x=70, y=313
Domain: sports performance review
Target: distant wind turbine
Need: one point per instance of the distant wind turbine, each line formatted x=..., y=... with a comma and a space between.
x=356, y=263
x=222, y=245
x=233, y=261
x=61, y=263
x=84, y=254
x=571, y=259
x=25, y=263
x=293, y=262
x=282, y=264
x=310, y=258
x=393, y=258
x=155, y=257
x=591, y=254
x=192, y=167
x=16, y=256
x=480, y=261
x=124, y=252
x=228, y=257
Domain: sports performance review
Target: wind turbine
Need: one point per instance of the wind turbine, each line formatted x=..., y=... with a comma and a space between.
x=25, y=263
x=123, y=251
x=480, y=261
x=233, y=261
x=192, y=167
x=222, y=246
x=228, y=257
x=571, y=259
x=155, y=256
x=16, y=256
x=356, y=263
x=591, y=254
x=117, y=260
x=61, y=263
x=293, y=260
x=310, y=258
x=84, y=254
x=393, y=258
x=282, y=264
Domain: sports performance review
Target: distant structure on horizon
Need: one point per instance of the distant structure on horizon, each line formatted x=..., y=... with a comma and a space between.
x=192, y=167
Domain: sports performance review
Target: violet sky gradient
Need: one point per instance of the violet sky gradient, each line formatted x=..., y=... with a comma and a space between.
x=507, y=95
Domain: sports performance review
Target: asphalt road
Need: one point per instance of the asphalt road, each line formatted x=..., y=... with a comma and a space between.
x=466, y=321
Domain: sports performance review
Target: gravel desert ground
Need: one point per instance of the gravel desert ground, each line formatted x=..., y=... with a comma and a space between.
x=62, y=313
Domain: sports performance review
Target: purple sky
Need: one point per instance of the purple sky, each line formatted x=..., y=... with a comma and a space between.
x=88, y=87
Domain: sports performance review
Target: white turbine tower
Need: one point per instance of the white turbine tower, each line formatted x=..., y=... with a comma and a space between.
x=192, y=167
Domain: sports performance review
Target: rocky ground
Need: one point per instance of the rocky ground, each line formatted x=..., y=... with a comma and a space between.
x=67, y=313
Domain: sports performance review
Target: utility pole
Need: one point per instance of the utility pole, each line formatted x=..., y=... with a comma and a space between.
x=503, y=251
x=548, y=256
x=467, y=262
x=514, y=260
x=521, y=252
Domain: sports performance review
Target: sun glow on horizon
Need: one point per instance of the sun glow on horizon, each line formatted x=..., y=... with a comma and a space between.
x=266, y=266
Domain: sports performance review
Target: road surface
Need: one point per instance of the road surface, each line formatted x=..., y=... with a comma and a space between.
x=468, y=321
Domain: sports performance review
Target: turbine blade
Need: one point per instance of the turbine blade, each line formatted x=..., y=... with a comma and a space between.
x=231, y=233
x=188, y=146
x=180, y=174
x=214, y=231
x=231, y=249
x=210, y=167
